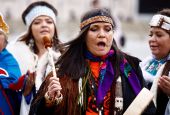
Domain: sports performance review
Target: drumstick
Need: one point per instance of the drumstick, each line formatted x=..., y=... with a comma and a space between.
x=48, y=45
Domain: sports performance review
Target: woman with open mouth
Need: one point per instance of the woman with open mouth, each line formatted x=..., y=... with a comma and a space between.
x=93, y=77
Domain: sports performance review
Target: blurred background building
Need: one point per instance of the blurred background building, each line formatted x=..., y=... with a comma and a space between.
x=134, y=16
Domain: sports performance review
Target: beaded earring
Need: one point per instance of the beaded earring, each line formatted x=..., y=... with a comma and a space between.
x=31, y=44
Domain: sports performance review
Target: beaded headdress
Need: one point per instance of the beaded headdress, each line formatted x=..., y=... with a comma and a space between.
x=96, y=19
x=160, y=21
x=96, y=15
x=3, y=26
x=37, y=9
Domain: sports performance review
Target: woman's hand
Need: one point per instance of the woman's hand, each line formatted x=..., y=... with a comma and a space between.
x=54, y=88
x=164, y=84
x=30, y=81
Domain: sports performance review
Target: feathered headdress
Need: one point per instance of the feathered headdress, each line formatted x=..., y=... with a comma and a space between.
x=3, y=26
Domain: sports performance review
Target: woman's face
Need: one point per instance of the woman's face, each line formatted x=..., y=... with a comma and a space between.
x=99, y=38
x=159, y=42
x=42, y=26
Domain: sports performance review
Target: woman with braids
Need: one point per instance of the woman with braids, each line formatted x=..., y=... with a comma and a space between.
x=93, y=77
x=157, y=67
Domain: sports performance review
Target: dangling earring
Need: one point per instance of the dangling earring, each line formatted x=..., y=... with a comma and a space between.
x=31, y=44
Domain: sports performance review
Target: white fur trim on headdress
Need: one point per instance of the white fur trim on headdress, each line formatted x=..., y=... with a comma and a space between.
x=160, y=21
x=38, y=11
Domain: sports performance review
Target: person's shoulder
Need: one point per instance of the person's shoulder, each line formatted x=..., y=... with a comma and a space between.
x=56, y=55
x=20, y=44
x=19, y=48
x=15, y=45
x=147, y=58
x=5, y=53
x=8, y=58
x=145, y=61
x=132, y=58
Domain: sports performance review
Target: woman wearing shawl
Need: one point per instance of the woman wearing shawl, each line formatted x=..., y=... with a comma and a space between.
x=94, y=76
x=156, y=68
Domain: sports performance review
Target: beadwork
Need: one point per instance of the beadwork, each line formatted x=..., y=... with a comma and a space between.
x=56, y=100
x=96, y=19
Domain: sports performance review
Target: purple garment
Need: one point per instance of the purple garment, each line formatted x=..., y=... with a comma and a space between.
x=107, y=73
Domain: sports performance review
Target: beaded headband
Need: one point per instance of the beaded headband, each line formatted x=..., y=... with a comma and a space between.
x=38, y=11
x=160, y=21
x=96, y=19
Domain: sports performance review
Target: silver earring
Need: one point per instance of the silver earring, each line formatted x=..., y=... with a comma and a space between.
x=31, y=44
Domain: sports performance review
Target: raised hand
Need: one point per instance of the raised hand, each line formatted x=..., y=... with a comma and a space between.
x=164, y=84
x=30, y=81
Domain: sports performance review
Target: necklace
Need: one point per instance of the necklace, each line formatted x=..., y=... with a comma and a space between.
x=94, y=87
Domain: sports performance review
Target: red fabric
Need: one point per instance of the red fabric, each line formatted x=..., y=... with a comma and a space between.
x=7, y=100
x=3, y=72
x=19, y=84
x=95, y=67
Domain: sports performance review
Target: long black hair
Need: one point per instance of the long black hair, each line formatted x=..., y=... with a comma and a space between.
x=73, y=63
